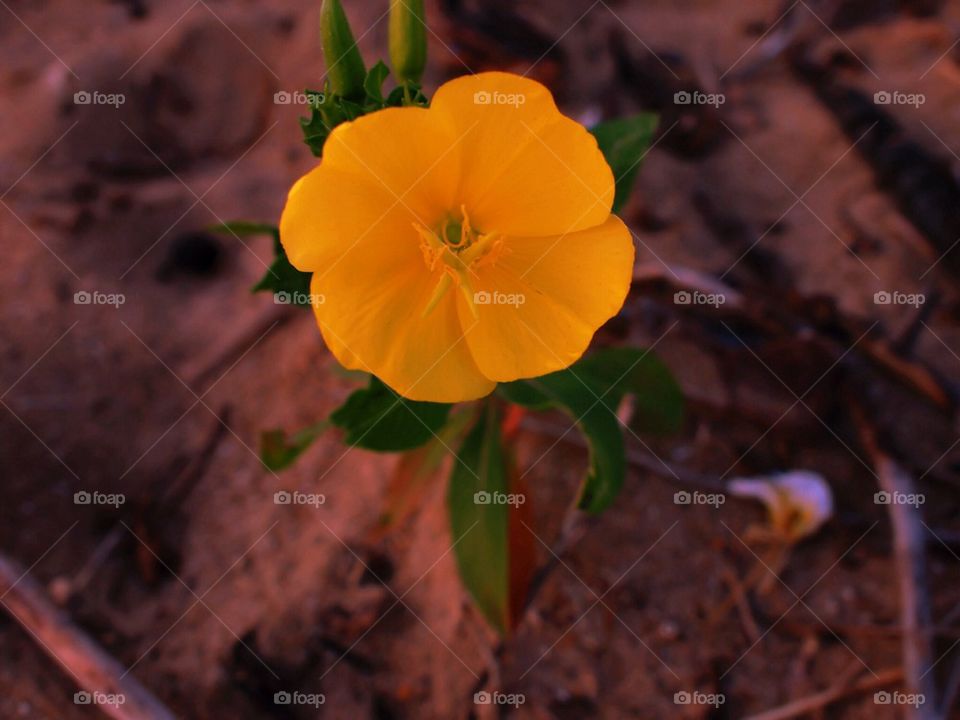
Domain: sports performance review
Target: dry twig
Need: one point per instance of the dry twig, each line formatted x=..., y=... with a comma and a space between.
x=94, y=670
x=909, y=547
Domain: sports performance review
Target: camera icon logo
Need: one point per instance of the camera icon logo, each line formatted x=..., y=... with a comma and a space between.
x=481, y=297
x=882, y=298
x=882, y=498
x=82, y=498
x=682, y=497
x=882, y=698
x=282, y=97
x=82, y=297
x=882, y=98
x=482, y=698
x=82, y=98
x=682, y=297
x=482, y=97
x=282, y=698
x=282, y=298
x=682, y=98
x=481, y=497
x=82, y=698
x=682, y=698
x=282, y=497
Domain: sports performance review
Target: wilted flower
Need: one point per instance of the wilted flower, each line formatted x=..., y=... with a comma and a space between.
x=798, y=502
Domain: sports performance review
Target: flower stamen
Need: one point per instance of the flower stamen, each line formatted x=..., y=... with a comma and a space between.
x=457, y=249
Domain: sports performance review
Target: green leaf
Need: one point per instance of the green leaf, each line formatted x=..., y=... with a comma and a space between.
x=373, y=84
x=480, y=529
x=246, y=228
x=588, y=407
x=407, y=94
x=316, y=128
x=590, y=392
x=377, y=418
x=326, y=112
x=658, y=404
x=623, y=143
x=281, y=277
x=278, y=452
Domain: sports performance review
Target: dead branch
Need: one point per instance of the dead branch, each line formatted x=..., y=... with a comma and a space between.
x=91, y=667
x=909, y=552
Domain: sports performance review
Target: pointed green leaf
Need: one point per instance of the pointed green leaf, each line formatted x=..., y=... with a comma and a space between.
x=326, y=112
x=281, y=277
x=658, y=399
x=624, y=142
x=480, y=528
x=246, y=228
x=595, y=416
x=373, y=84
x=377, y=418
x=590, y=392
x=278, y=452
x=317, y=127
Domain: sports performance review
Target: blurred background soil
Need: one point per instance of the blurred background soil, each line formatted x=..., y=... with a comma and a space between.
x=799, y=193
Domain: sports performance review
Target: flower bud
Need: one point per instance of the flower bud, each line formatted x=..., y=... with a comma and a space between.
x=345, y=67
x=408, y=39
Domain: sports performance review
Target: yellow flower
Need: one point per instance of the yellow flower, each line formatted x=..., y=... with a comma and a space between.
x=461, y=245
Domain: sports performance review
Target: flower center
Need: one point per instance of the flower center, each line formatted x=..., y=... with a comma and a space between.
x=457, y=250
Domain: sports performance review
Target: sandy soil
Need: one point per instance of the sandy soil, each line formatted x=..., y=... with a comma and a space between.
x=217, y=598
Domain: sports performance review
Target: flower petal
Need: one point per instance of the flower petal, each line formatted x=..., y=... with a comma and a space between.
x=372, y=319
x=329, y=210
x=527, y=169
x=569, y=284
x=368, y=182
x=412, y=154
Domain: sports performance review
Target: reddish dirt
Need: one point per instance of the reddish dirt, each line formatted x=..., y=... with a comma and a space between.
x=237, y=597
